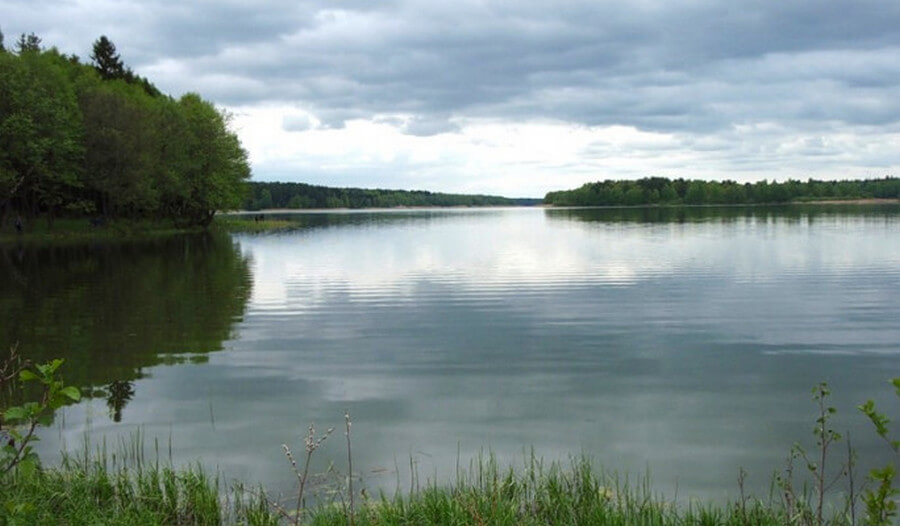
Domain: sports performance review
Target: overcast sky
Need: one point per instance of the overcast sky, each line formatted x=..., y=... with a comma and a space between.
x=518, y=97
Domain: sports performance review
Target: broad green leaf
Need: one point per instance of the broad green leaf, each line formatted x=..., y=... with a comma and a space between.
x=72, y=393
x=15, y=414
x=27, y=375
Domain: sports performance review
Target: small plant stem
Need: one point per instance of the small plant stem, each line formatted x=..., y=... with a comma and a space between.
x=852, y=496
x=309, y=453
x=349, y=465
x=17, y=456
x=823, y=450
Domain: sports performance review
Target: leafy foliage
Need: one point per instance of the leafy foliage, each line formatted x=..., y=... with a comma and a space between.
x=19, y=422
x=77, y=139
x=40, y=133
x=881, y=503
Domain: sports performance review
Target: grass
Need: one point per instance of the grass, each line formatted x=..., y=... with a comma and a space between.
x=125, y=489
x=95, y=491
x=101, y=489
x=556, y=494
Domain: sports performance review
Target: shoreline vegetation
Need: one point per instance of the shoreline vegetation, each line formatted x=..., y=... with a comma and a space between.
x=104, y=488
x=127, y=486
x=663, y=191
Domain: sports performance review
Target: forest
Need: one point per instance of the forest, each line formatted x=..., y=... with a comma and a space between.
x=300, y=195
x=96, y=140
x=660, y=190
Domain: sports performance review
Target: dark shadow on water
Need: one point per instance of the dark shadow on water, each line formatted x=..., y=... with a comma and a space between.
x=339, y=218
x=113, y=309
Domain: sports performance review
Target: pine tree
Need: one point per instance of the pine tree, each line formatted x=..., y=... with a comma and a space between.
x=27, y=43
x=106, y=61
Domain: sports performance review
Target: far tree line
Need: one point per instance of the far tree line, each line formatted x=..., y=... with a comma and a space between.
x=95, y=139
x=300, y=195
x=660, y=190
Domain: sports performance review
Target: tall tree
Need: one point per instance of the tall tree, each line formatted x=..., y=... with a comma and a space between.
x=2, y=49
x=106, y=61
x=218, y=168
x=27, y=43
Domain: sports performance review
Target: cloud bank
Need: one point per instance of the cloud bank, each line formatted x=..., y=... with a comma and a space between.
x=519, y=98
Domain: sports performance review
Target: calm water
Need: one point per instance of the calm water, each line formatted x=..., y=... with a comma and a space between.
x=686, y=341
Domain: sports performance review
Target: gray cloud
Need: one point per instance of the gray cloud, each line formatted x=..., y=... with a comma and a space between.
x=645, y=64
x=297, y=123
x=696, y=68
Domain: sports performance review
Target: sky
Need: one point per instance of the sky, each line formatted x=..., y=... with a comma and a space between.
x=517, y=98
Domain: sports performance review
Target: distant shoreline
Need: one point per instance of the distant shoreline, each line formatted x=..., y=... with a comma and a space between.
x=858, y=202
x=371, y=209
x=863, y=201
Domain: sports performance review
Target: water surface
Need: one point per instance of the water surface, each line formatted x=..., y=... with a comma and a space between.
x=683, y=340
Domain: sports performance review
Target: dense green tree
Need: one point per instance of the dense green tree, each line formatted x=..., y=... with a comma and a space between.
x=2, y=49
x=265, y=200
x=85, y=139
x=169, y=148
x=40, y=134
x=217, y=167
x=117, y=161
x=668, y=194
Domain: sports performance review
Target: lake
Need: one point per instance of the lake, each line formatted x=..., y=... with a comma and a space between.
x=680, y=341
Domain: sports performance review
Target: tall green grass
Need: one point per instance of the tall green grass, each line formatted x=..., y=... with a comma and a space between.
x=122, y=489
x=125, y=489
x=537, y=494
